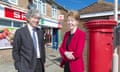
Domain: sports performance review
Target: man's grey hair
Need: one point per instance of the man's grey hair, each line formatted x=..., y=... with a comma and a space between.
x=32, y=13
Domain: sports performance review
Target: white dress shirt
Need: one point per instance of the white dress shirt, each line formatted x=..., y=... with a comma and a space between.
x=31, y=32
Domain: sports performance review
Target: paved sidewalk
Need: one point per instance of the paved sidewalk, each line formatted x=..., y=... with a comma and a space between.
x=51, y=65
x=52, y=61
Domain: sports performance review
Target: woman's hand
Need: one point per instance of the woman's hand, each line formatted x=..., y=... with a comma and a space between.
x=69, y=55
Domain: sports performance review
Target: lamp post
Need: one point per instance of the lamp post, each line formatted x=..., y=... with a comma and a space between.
x=116, y=10
x=115, y=55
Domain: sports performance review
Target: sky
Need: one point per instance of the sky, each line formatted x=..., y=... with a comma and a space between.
x=78, y=4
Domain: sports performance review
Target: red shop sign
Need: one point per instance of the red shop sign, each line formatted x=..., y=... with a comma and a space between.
x=14, y=14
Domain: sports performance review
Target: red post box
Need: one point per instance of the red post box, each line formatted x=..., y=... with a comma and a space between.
x=100, y=45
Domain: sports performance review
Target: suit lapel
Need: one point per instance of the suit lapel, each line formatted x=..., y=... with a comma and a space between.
x=39, y=33
x=28, y=35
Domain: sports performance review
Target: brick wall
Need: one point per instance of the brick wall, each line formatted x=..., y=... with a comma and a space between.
x=23, y=3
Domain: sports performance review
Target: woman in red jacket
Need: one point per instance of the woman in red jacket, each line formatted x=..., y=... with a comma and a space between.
x=71, y=49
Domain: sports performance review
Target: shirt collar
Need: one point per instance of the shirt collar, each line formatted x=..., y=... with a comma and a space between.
x=30, y=28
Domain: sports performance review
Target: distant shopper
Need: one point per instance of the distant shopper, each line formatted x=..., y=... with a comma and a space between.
x=28, y=46
x=71, y=49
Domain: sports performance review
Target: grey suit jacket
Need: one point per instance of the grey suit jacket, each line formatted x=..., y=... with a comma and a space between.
x=24, y=52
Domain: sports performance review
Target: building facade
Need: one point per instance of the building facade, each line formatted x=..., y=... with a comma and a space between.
x=98, y=10
x=13, y=16
x=50, y=22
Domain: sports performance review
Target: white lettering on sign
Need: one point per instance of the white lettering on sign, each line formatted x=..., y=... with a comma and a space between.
x=16, y=14
x=23, y=16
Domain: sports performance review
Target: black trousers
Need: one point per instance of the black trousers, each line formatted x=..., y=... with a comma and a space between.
x=66, y=67
x=39, y=66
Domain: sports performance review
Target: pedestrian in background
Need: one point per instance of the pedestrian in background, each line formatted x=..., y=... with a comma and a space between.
x=71, y=49
x=28, y=46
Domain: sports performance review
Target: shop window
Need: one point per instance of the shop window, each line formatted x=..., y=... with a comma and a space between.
x=4, y=22
x=17, y=24
x=12, y=1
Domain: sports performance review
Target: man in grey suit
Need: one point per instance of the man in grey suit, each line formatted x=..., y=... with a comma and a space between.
x=28, y=45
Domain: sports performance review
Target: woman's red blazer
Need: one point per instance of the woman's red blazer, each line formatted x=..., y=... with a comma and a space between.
x=76, y=45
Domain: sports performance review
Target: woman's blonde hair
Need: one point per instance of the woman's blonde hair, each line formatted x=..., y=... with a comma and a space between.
x=74, y=14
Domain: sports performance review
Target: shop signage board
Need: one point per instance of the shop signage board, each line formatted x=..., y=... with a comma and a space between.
x=11, y=13
x=49, y=23
x=14, y=14
x=60, y=17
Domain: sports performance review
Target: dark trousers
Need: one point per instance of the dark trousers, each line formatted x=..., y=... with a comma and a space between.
x=39, y=66
x=66, y=67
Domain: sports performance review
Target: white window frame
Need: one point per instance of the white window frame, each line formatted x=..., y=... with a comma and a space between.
x=54, y=11
x=13, y=2
x=35, y=2
x=41, y=6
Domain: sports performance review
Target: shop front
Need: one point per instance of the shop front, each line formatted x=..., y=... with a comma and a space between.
x=10, y=20
x=51, y=32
